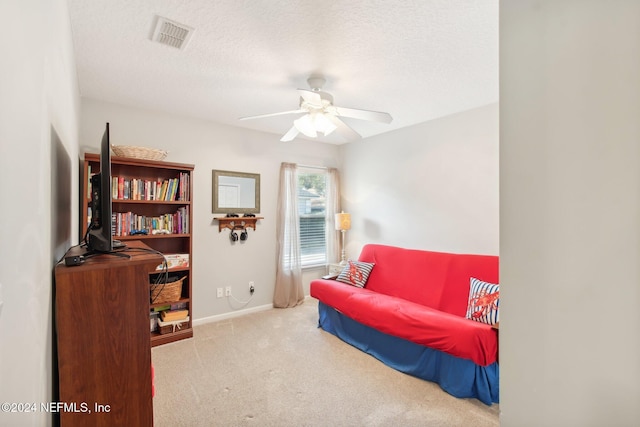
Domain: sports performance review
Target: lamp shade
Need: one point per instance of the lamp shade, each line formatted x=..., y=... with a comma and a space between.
x=322, y=124
x=305, y=125
x=343, y=221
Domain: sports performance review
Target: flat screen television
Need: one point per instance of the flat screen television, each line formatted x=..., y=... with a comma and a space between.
x=99, y=236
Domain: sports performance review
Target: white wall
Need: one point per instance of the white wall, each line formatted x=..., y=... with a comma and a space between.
x=570, y=213
x=38, y=136
x=216, y=261
x=431, y=186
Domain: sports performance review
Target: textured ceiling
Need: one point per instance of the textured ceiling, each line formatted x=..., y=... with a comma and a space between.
x=415, y=59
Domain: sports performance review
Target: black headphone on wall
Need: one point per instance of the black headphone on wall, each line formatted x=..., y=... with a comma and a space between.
x=233, y=236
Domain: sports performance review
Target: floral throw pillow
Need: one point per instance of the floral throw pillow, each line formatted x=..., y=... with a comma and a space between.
x=355, y=273
x=484, y=302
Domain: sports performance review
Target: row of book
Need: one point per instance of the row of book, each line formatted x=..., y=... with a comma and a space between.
x=174, y=189
x=129, y=223
x=142, y=189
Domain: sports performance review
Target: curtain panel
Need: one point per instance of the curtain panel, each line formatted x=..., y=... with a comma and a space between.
x=288, y=289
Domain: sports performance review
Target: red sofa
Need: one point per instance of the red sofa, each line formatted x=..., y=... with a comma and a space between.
x=414, y=303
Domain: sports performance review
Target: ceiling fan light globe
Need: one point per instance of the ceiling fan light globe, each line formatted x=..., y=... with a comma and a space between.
x=322, y=124
x=305, y=125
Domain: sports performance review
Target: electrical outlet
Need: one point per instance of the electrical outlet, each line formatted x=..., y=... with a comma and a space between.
x=219, y=292
x=227, y=291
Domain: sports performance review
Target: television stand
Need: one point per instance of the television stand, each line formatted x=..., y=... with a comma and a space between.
x=120, y=253
x=102, y=324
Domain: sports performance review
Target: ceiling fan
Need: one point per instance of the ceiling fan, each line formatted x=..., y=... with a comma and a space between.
x=321, y=116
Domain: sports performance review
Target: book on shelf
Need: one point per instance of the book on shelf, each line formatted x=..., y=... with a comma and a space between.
x=179, y=306
x=89, y=175
x=153, y=317
x=173, y=315
x=120, y=181
x=175, y=261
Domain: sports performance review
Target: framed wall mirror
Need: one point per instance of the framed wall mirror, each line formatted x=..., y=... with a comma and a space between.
x=235, y=192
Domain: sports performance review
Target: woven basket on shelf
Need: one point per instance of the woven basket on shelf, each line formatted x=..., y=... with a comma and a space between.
x=139, y=152
x=166, y=292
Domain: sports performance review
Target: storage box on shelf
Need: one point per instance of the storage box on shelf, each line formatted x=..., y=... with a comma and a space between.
x=151, y=202
x=171, y=327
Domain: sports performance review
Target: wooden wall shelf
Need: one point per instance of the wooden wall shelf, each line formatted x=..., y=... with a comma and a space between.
x=237, y=223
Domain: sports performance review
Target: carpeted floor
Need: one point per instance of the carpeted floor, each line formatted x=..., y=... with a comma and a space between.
x=277, y=368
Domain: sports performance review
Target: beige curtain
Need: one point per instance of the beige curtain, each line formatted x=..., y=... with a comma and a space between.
x=288, y=291
x=332, y=207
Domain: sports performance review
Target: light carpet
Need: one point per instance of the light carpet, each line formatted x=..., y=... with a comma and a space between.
x=277, y=368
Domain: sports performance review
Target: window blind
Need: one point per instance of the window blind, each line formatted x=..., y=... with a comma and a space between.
x=312, y=184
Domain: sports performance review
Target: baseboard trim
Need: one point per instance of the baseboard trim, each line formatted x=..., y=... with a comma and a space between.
x=231, y=315
x=238, y=313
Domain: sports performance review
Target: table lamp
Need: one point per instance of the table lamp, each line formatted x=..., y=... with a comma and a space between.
x=343, y=223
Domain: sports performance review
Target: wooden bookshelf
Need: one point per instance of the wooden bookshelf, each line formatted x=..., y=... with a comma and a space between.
x=148, y=210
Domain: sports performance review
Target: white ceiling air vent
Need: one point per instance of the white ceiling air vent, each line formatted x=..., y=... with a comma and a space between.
x=171, y=33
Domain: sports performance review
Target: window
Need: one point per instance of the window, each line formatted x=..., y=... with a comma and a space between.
x=312, y=187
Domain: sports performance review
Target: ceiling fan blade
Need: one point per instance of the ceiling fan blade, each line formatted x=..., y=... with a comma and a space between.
x=272, y=114
x=342, y=128
x=372, y=116
x=311, y=97
x=290, y=135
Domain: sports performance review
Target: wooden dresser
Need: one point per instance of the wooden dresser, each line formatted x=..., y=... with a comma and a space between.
x=103, y=346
